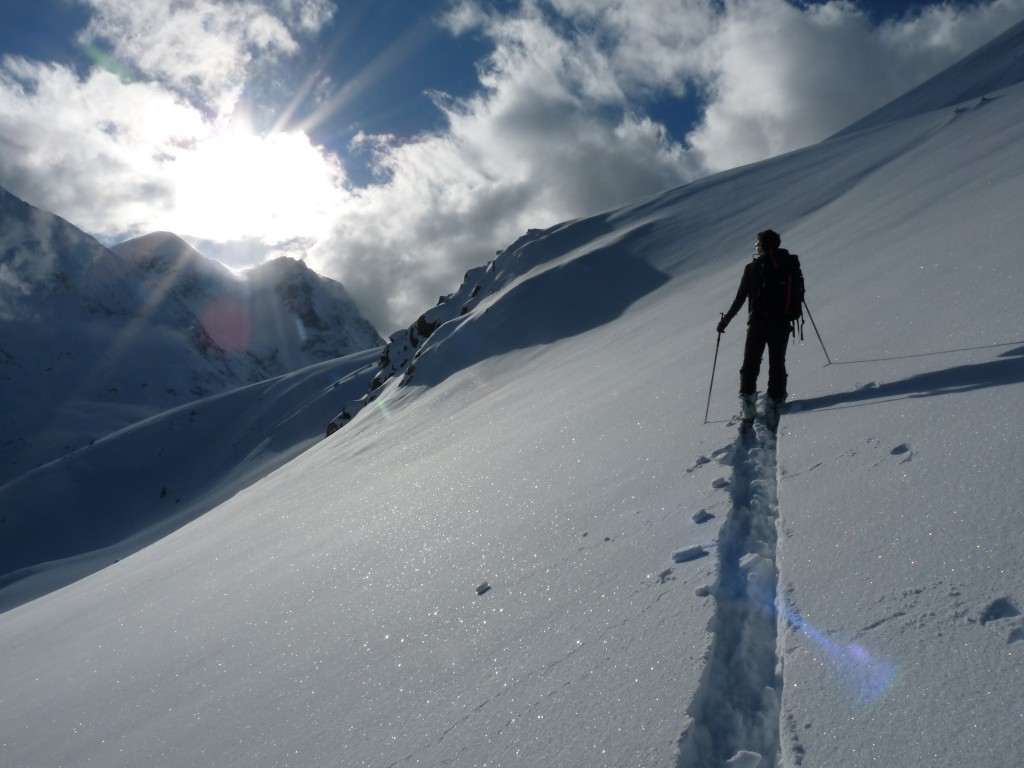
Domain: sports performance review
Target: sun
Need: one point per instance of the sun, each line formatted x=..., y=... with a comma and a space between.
x=236, y=184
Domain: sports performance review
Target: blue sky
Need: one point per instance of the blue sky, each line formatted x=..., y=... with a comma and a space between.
x=395, y=144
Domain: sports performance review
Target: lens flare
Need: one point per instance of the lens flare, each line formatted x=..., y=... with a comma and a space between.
x=869, y=677
x=106, y=61
x=228, y=323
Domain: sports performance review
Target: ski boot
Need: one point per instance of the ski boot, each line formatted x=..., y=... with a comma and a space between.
x=772, y=409
x=748, y=408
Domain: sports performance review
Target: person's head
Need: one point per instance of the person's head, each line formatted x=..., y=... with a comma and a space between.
x=768, y=241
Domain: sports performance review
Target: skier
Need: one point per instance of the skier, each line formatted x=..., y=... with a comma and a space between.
x=773, y=286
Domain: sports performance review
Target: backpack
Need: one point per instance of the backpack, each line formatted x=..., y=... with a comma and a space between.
x=780, y=287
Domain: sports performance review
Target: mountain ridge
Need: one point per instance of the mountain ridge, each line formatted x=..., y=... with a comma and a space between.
x=95, y=338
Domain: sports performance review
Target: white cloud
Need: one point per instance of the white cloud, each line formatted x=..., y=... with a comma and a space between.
x=88, y=149
x=307, y=15
x=203, y=48
x=780, y=77
x=154, y=136
x=557, y=130
x=651, y=46
x=550, y=137
x=116, y=157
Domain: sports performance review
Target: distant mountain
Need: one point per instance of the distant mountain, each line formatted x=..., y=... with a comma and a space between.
x=278, y=317
x=94, y=339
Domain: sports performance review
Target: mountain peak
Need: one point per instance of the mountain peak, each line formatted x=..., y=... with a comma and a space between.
x=163, y=252
x=279, y=268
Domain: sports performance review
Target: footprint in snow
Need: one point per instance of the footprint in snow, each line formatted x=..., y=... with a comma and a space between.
x=689, y=553
x=701, y=461
x=903, y=450
x=702, y=517
x=1002, y=608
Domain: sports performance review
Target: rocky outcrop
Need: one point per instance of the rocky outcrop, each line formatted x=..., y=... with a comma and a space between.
x=398, y=358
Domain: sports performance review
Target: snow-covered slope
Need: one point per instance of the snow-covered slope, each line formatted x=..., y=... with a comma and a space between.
x=996, y=65
x=94, y=340
x=79, y=513
x=532, y=550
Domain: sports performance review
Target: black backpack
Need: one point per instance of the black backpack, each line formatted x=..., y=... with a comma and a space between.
x=779, y=286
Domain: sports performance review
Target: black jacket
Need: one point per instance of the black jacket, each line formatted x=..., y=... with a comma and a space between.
x=774, y=285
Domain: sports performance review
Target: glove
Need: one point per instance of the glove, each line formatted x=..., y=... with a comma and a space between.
x=723, y=323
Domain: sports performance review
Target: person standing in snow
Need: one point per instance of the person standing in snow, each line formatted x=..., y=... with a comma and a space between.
x=773, y=287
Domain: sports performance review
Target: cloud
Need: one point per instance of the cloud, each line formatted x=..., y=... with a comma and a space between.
x=558, y=129
x=653, y=46
x=206, y=49
x=88, y=149
x=116, y=157
x=549, y=137
x=779, y=77
x=156, y=134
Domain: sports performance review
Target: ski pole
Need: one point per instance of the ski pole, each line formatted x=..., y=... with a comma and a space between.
x=814, y=325
x=714, y=365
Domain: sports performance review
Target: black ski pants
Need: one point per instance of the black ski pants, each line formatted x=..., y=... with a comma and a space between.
x=776, y=339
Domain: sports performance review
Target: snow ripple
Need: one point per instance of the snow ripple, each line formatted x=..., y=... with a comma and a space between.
x=735, y=714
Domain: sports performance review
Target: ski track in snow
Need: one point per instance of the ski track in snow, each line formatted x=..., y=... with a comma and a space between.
x=734, y=717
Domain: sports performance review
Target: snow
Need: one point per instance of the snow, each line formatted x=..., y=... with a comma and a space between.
x=132, y=487
x=93, y=340
x=861, y=598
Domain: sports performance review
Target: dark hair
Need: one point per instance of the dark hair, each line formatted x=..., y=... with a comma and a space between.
x=769, y=239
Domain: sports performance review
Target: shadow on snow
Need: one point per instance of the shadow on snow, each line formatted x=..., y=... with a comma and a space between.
x=1007, y=370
